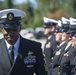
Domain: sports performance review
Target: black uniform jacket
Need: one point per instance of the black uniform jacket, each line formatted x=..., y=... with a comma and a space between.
x=65, y=65
x=56, y=59
x=72, y=66
x=50, y=51
x=28, y=62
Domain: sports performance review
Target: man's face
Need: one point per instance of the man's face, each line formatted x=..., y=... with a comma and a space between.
x=74, y=41
x=11, y=34
x=49, y=30
x=58, y=36
x=65, y=36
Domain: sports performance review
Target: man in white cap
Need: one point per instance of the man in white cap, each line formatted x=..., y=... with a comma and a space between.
x=24, y=57
x=51, y=43
x=62, y=48
x=69, y=52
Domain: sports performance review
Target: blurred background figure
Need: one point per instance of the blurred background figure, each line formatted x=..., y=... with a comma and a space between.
x=61, y=48
x=58, y=31
x=69, y=51
x=39, y=33
x=51, y=43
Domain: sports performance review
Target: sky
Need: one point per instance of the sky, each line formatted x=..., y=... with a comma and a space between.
x=33, y=2
x=19, y=1
x=23, y=1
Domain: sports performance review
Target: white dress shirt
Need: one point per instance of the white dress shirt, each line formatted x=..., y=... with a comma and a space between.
x=16, y=47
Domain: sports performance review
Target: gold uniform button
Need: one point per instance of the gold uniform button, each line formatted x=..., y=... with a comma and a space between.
x=59, y=66
x=44, y=55
x=52, y=58
x=58, y=72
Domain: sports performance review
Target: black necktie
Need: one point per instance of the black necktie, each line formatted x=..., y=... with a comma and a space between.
x=12, y=54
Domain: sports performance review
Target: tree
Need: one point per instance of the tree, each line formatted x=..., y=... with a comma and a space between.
x=8, y=4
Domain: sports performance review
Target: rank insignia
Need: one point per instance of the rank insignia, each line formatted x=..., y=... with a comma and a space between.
x=48, y=45
x=30, y=58
x=66, y=54
x=58, y=53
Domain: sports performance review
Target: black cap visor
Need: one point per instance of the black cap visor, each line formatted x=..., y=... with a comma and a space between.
x=9, y=25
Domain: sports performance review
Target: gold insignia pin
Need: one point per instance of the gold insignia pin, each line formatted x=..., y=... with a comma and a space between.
x=58, y=53
x=48, y=45
x=10, y=17
x=66, y=54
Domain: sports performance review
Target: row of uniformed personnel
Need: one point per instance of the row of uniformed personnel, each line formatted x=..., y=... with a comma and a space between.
x=18, y=55
x=60, y=47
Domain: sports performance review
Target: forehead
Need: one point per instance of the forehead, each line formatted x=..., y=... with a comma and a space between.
x=64, y=33
x=10, y=28
x=74, y=37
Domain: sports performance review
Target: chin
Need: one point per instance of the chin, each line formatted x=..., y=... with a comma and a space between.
x=10, y=41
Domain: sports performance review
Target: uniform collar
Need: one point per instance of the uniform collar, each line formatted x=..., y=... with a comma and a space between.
x=16, y=45
x=62, y=43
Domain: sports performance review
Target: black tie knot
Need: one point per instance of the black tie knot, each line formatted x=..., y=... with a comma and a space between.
x=11, y=47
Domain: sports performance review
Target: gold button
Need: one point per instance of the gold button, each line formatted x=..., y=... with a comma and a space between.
x=59, y=66
x=52, y=58
x=44, y=55
x=58, y=72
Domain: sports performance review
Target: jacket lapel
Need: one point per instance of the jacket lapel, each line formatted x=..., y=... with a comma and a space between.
x=20, y=58
x=16, y=65
x=4, y=58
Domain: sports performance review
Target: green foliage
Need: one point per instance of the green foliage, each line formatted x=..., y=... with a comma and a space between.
x=34, y=17
x=72, y=8
x=8, y=4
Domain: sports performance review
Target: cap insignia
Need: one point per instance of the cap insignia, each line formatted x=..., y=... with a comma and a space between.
x=50, y=23
x=10, y=16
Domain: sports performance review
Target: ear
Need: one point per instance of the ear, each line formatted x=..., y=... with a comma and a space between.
x=53, y=28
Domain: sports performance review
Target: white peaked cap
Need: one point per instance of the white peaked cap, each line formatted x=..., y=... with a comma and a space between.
x=59, y=23
x=49, y=20
x=72, y=21
x=65, y=20
x=16, y=12
x=45, y=19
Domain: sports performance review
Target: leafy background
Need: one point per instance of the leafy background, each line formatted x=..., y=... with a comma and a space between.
x=49, y=8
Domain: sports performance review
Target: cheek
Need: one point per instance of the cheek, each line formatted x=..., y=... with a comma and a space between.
x=16, y=34
x=4, y=32
x=63, y=37
x=46, y=31
x=75, y=42
x=73, y=39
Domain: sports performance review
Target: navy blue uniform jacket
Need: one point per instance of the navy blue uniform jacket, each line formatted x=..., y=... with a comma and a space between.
x=29, y=59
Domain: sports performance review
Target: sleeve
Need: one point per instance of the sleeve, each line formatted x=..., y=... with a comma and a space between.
x=48, y=52
x=40, y=69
